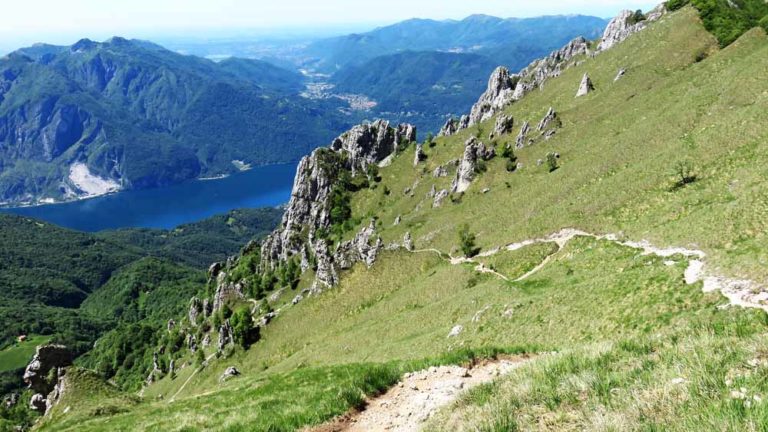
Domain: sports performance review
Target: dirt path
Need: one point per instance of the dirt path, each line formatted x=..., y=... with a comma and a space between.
x=418, y=396
x=739, y=292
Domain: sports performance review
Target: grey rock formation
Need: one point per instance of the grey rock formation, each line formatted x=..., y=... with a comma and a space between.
x=419, y=155
x=504, y=125
x=453, y=125
x=473, y=150
x=550, y=119
x=47, y=358
x=192, y=343
x=455, y=331
x=439, y=197
x=360, y=249
x=539, y=71
x=408, y=241
x=225, y=336
x=195, y=309
x=501, y=87
x=225, y=291
x=171, y=325
x=441, y=171
x=296, y=300
x=229, y=373
x=325, y=276
x=620, y=74
x=207, y=340
x=432, y=192
x=625, y=25
x=309, y=208
x=38, y=403
x=398, y=219
x=520, y=140
x=585, y=87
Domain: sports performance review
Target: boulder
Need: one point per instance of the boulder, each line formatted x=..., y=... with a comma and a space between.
x=455, y=331
x=585, y=87
x=38, y=403
x=398, y=219
x=620, y=74
x=229, y=373
x=171, y=325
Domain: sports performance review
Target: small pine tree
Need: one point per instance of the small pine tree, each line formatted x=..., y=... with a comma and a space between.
x=467, y=242
x=552, y=162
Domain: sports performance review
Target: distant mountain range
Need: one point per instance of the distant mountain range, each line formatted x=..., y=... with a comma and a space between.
x=92, y=118
x=79, y=120
x=513, y=42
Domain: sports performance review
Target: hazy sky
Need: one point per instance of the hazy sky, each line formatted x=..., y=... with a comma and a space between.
x=63, y=21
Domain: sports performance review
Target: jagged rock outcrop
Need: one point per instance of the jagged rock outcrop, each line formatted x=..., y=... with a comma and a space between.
x=585, y=87
x=309, y=208
x=408, y=241
x=419, y=155
x=439, y=197
x=192, y=343
x=539, y=71
x=520, y=140
x=504, y=125
x=501, y=87
x=47, y=358
x=550, y=119
x=453, y=125
x=627, y=23
x=473, y=150
x=195, y=309
x=360, y=249
x=325, y=275
x=226, y=290
x=44, y=374
x=225, y=336
x=441, y=171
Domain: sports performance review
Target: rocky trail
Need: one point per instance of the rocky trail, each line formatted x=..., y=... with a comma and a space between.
x=418, y=396
x=739, y=292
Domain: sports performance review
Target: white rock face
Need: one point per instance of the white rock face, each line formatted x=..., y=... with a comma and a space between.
x=473, y=150
x=90, y=184
x=620, y=28
x=585, y=87
x=501, y=87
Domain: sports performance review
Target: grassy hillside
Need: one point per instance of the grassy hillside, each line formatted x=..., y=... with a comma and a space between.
x=621, y=341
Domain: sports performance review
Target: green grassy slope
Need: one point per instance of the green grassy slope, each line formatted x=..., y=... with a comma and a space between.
x=626, y=327
x=17, y=355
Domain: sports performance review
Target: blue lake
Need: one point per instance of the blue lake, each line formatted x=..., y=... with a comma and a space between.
x=171, y=206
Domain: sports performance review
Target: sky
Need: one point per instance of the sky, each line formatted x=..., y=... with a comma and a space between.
x=64, y=21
